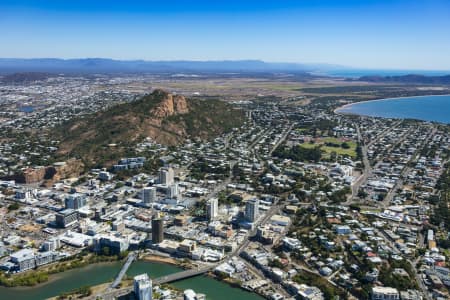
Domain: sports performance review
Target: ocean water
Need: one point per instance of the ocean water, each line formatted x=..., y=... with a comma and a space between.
x=426, y=108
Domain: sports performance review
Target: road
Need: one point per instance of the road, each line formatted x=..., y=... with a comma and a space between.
x=366, y=171
x=399, y=183
x=281, y=140
x=183, y=274
x=412, y=263
x=110, y=294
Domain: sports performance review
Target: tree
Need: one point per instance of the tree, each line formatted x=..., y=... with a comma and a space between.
x=362, y=194
x=13, y=206
x=275, y=263
x=106, y=251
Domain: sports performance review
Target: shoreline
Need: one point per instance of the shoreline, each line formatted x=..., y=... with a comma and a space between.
x=335, y=111
x=160, y=259
x=53, y=277
x=101, y=286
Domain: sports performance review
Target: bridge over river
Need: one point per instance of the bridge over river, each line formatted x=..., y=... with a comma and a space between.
x=114, y=292
x=182, y=275
x=131, y=257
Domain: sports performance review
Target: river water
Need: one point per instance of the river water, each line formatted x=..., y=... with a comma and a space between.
x=104, y=272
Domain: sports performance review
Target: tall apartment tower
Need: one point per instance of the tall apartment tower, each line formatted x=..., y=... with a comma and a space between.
x=252, y=210
x=148, y=195
x=166, y=176
x=212, y=207
x=142, y=286
x=157, y=230
x=172, y=191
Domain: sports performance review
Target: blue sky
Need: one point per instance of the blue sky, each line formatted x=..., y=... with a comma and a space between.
x=393, y=34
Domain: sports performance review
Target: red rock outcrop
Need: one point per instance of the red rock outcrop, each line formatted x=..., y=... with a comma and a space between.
x=170, y=105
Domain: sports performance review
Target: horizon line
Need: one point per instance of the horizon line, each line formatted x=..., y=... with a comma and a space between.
x=336, y=66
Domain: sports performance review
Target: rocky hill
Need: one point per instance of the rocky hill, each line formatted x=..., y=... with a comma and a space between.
x=105, y=136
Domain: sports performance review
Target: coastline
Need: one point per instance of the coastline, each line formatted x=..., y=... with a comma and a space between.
x=336, y=110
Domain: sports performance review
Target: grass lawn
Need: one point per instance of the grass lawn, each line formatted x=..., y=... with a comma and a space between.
x=340, y=151
x=327, y=149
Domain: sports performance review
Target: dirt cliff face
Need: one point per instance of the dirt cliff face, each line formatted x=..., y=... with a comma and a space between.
x=71, y=168
x=34, y=175
x=50, y=174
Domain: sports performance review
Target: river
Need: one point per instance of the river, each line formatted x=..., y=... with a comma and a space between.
x=104, y=272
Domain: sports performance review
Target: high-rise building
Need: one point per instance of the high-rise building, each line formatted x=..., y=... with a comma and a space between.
x=148, y=195
x=142, y=286
x=172, y=191
x=75, y=201
x=252, y=210
x=66, y=217
x=212, y=207
x=166, y=176
x=157, y=230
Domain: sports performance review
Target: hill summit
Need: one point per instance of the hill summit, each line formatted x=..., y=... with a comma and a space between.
x=166, y=118
x=170, y=105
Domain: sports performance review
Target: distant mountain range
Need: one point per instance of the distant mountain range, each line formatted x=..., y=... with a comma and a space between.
x=19, y=70
x=102, y=65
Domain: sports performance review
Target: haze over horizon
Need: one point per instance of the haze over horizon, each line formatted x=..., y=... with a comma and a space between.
x=399, y=34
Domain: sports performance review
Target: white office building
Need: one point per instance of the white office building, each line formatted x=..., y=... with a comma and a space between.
x=172, y=191
x=213, y=208
x=166, y=176
x=142, y=286
x=385, y=293
x=52, y=244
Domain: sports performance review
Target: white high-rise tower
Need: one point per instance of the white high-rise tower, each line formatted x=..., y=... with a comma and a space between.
x=252, y=210
x=142, y=286
x=212, y=208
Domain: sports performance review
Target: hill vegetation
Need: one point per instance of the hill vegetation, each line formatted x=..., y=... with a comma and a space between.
x=105, y=136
